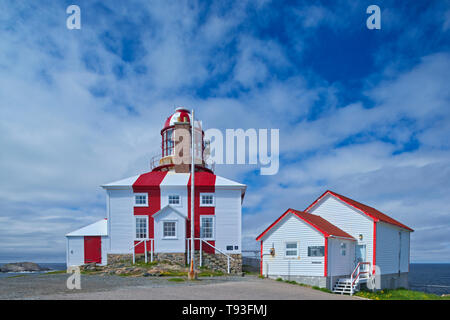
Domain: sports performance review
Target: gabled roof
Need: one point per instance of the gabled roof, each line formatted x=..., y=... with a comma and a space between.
x=320, y=224
x=169, y=207
x=99, y=228
x=369, y=211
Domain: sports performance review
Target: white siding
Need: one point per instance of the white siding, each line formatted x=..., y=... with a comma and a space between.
x=348, y=219
x=105, y=250
x=392, y=248
x=338, y=264
x=228, y=219
x=405, y=251
x=182, y=191
x=121, y=220
x=170, y=245
x=75, y=254
x=290, y=229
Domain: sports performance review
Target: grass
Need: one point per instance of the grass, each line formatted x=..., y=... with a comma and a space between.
x=399, y=294
x=176, y=279
x=55, y=272
x=17, y=276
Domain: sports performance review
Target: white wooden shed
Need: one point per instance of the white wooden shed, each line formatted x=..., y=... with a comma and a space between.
x=88, y=244
x=362, y=243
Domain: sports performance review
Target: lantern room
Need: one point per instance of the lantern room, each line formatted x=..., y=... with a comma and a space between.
x=180, y=119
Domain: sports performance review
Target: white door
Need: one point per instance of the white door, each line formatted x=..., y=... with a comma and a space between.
x=360, y=253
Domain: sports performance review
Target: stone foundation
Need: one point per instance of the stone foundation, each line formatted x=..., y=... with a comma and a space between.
x=113, y=258
x=394, y=280
x=320, y=282
x=175, y=257
x=217, y=262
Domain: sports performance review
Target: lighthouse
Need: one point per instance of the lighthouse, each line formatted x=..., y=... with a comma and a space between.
x=149, y=214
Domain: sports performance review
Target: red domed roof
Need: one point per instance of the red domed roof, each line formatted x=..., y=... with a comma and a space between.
x=180, y=115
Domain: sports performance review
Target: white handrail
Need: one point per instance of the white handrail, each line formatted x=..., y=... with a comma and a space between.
x=357, y=270
x=201, y=252
x=152, y=246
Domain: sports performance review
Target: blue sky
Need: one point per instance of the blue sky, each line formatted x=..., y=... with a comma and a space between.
x=79, y=108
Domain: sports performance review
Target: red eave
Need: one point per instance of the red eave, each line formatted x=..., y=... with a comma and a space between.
x=320, y=224
x=369, y=211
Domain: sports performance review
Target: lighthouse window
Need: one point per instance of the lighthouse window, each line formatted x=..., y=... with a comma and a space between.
x=207, y=200
x=168, y=144
x=170, y=229
x=207, y=227
x=141, y=227
x=140, y=200
x=174, y=199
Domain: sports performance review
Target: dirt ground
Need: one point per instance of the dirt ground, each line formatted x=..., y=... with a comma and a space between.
x=53, y=286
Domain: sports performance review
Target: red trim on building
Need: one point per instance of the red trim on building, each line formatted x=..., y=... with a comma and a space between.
x=258, y=238
x=204, y=182
x=261, y=260
x=369, y=211
x=325, y=272
x=148, y=183
x=374, y=259
x=317, y=222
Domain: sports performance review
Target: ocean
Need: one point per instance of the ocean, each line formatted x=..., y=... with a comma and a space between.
x=426, y=277
x=430, y=277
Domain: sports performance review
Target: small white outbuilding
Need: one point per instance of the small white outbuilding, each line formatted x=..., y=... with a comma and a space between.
x=335, y=241
x=88, y=244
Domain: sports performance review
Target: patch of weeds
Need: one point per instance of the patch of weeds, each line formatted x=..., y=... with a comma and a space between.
x=55, y=272
x=173, y=273
x=17, y=276
x=176, y=279
x=399, y=294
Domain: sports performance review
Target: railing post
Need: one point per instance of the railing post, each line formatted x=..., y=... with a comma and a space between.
x=228, y=264
x=145, y=249
x=152, y=247
x=201, y=253
x=187, y=249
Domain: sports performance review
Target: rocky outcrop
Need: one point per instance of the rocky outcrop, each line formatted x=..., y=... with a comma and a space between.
x=22, y=267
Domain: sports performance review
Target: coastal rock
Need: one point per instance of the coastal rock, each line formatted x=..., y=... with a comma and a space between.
x=22, y=267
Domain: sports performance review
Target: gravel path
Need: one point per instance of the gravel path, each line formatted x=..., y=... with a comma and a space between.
x=53, y=286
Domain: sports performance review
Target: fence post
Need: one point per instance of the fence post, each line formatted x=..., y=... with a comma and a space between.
x=145, y=249
x=228, y=264
x=152, y=245
x=201, y=253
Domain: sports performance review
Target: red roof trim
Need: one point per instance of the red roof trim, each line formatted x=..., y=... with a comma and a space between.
x=306, y=217
x=373, y=213
x=273, y=224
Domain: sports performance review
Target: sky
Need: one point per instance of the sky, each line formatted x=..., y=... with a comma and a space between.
x=365, y=113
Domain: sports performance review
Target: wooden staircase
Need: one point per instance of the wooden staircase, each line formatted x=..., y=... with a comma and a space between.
x=360, y=274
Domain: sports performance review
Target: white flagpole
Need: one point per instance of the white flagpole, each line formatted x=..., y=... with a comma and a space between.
x=192, y=198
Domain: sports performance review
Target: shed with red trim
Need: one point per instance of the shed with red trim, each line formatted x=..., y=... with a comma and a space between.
x=306, y=248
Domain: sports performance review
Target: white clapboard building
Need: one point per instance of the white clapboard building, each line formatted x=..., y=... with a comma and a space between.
x=150, y=214
x=339, y=244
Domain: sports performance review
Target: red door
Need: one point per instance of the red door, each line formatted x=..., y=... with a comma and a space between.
x=92, y=249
